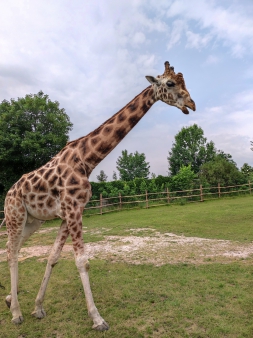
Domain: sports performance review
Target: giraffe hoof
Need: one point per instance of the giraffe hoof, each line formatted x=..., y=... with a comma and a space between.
x=8, y=301
x=18, y=320
x=39, y=313
x=102, y=327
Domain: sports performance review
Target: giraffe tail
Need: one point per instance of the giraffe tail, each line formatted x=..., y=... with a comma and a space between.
x=2, y=223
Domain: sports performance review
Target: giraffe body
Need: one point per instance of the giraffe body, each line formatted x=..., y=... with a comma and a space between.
x=61, y=189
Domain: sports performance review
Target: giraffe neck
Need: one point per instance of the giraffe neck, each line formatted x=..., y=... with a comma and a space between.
x=95, y=146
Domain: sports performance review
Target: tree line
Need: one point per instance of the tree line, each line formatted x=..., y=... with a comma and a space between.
x=190, y=159
x=33, y=129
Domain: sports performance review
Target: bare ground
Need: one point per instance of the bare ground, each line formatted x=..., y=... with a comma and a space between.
x=153, y=248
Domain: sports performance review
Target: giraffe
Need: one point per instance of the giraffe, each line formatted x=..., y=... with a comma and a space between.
x=61, y=189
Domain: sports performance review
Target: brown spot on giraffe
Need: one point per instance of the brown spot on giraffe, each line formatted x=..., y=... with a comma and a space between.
x=53, y=180
x=55, y=192
x=103, y=147
x=59, y=169
x=119, y=134
x=93, y=159
x=40, y=187
x=41, y=171
x=50, y=202
x=107, y=130
x=73, y=180
x=66, y=155
x=41, y=197
x=60, y=182
x=132, y=121
x=84, y=146
x=30, y=176
x=27, y=186
x=81, y=170
x=95, y=140
x=73, y=144
x=35, y=179
x=48, y=173
x=96, y=132
x=32, y=197
x=121, y=117
x=133, y=106
x=73, y=191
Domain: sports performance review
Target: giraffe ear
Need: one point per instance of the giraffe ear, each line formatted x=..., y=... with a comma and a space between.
x=152, y=80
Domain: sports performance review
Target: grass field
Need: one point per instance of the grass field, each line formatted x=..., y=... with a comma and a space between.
x=189, y=298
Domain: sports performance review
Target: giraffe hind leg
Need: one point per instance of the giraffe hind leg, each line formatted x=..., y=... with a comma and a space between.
x=27, y=231
x=15, y=228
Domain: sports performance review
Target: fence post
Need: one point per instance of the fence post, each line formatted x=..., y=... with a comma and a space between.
x=146, y=199
x=219, y=189
x=249, y=187
x=201, y=193
x=120, y=201
x=168, y=194
x=101, y=204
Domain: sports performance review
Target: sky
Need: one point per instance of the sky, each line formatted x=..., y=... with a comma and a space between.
x=92, y=57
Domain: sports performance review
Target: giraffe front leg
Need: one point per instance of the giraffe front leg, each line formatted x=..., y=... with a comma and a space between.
x=99, y=323
x=62, y=235
x=13, y=246
x=12, y=299
x=75, y=229
x=8, y=298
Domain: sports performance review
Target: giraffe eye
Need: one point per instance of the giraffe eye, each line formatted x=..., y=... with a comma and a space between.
x=170, y=84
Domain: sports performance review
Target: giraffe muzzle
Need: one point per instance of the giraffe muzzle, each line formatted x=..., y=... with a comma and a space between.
x=190, y=105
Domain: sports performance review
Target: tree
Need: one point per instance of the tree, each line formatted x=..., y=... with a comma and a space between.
x=114, y=176
x=227, y=157
x=183, y=180
x=102, y=177
x=32, y=130
x=247, y=170
x=190, y=148
x=132, y=166
x=221, y=171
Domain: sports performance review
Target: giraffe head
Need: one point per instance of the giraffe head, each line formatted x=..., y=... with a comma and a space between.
x=170, y=88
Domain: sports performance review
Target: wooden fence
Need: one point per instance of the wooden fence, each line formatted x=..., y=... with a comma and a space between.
x=152, y=199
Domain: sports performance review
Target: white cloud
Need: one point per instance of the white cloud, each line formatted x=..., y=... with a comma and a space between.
x=230, y=126
x=212, y=60
x=232, y=24
x=177, y=30
x=138, y=38
x=196, y=40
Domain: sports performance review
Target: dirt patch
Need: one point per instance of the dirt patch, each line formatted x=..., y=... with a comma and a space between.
x=154, y=248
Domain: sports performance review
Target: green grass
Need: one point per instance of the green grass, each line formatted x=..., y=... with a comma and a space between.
x=180, y=300
x=138, y=301
x=229, y=218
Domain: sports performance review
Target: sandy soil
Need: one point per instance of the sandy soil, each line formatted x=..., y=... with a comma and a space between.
x=154, y=248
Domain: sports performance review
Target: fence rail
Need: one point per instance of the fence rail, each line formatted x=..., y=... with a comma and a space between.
x=152, y=199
